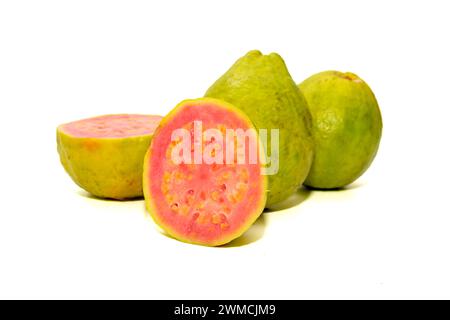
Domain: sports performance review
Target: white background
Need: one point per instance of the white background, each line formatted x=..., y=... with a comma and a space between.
x=386, y=236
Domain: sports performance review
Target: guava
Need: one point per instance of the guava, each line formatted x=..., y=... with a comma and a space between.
x=261, y=86
x=104, y=155
x=203, y=200
x=347, y=128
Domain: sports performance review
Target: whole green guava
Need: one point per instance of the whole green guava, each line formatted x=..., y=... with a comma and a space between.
x=347, y=128
x=261, y=86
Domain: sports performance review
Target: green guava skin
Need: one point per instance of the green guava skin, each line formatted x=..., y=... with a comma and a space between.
x=262, y=87
x=347, y=128
x=105, y=167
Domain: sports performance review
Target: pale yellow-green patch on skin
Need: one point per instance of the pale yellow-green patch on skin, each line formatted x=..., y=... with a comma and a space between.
x=105, y=167
x=150, y=204
x=261, y=86
x=347, y=127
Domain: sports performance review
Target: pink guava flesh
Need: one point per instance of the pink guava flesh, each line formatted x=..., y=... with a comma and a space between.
x=113, y=126
x=208, y=204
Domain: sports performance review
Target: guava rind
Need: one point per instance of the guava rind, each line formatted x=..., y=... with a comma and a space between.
x=149, y=178
x=262, y=87
x=105, y=167
x=347, y=127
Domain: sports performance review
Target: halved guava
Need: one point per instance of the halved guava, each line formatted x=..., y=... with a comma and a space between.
x=199, y=201
x=104, y=155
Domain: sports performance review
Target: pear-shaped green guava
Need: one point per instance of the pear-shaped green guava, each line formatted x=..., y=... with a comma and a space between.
x=347, y=127
x=262, y=87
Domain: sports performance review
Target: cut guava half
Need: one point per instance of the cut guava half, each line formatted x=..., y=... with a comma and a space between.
x=104, y=155
x=203, y=203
